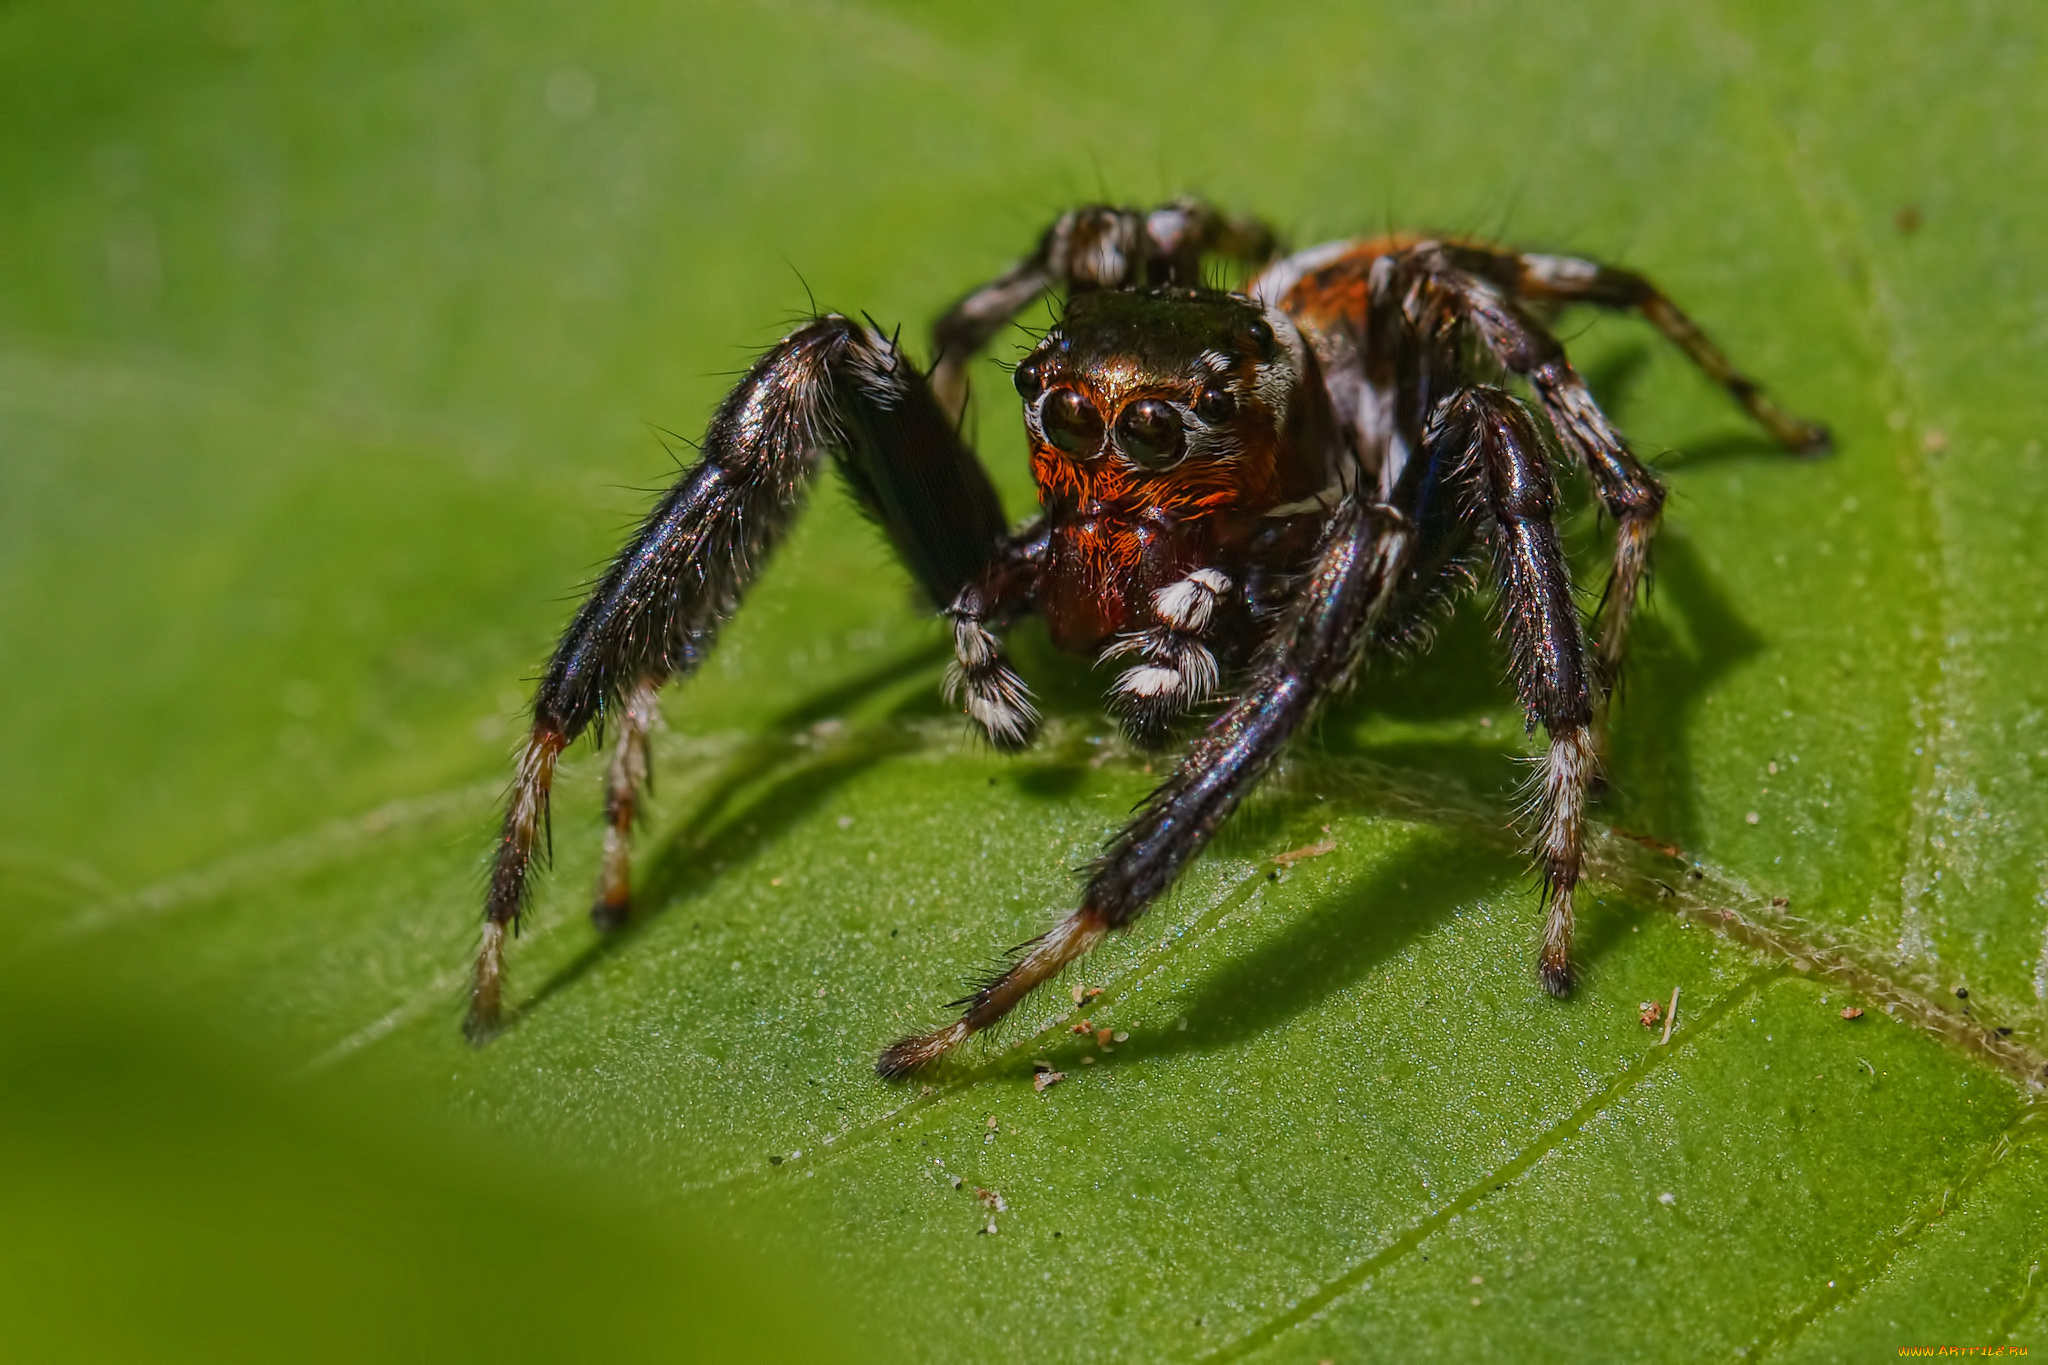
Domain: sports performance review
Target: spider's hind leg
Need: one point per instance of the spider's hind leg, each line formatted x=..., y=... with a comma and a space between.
x=1098, y=246
x=1500, y=453
x=1538, y=278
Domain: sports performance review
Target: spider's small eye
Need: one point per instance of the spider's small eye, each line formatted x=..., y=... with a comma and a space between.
x=1215, y=405
x=1030, y=379
x=1262, y=337
x=1150, y=433
x=1071, y=423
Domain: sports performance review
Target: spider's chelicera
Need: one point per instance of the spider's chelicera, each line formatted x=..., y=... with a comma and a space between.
x=1242, y=495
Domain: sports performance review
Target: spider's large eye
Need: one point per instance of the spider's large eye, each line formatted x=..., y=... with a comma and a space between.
x=1030, y=378
x=1071, y=423
x=1263, y=339
x=1214, y=405
x=1150, y=433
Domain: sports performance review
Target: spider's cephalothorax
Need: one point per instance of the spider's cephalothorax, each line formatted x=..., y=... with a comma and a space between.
x=1184, y=455
x=1242, y=494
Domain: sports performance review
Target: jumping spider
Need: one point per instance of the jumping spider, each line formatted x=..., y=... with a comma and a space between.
x=1243, y=493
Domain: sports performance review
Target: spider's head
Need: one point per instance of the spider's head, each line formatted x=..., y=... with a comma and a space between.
x=1183, y=399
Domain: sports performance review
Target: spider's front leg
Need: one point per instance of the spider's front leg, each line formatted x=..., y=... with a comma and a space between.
x=1311, y=655
x=1490, y=440
x=831, y=385
x=1096, y=247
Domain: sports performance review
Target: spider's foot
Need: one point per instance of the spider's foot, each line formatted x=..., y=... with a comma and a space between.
x=1808, y=439
x=1557, y=973
x=487, y=995
x=901, y=1059
x=610, y=912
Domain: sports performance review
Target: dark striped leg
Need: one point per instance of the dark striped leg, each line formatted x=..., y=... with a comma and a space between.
x=831, y=385
x=1568, y=279
x=1630, y=493
x=1311, y=656
x=1098, y=246
x=628, y=775
x=1498, y=452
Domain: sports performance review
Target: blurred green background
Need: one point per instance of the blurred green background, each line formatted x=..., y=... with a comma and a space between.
x=340, y=343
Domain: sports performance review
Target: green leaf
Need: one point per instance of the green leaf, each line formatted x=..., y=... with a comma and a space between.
x=337, y=345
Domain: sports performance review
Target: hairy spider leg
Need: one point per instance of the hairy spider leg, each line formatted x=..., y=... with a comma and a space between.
x=1631, y=494
x=1096, y=246
x=980, y=680
x=628, y=774
x=1356, y=571
x=1497, y=453
x=831, y=385
x=1569, y=279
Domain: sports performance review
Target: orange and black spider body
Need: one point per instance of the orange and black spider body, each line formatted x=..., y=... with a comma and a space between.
x=1241, y=496
x=1171, y=431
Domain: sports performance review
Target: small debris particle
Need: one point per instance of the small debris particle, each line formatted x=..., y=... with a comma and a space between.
x=1933, y=441
x=1486, y=722
x=1082, y=1026
x=1667, y=1199
x=1772, y=767
x=821, y=992
x=1181, y=1027
x=1045, y=1079
x=1102, y=1037
x=1089, y=1060
x=1295, y=855
x=1651, y=1013
x=774, y=1161
x=992, y=1123
x=1077, y=993
x=988, y=1231
x=991, y=1200
x=1695, y=874
x=1670, y=1017
x=1800, y=964
x=775, y=881
x=1479, y=1279
x=954, y=1180
x=1475, y=1300
x=1752, y=818
x=1851, y=1012
x=846, y=822
x=1907, y=219
x=1653, y=844
x=1962, y=993
x=1122, y=1037
x=1779, y=902
x=1092, y=992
